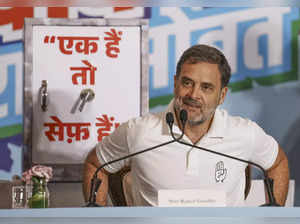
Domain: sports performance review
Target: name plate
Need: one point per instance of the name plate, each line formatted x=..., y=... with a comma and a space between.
x=191, y=198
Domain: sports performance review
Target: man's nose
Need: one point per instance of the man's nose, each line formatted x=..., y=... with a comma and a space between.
x=195, y=93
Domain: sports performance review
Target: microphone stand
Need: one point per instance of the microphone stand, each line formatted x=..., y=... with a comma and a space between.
x=95, y=183
x=267, y=180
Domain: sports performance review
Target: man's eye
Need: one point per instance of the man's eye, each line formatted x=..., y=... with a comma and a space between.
x=207, y=87
x=187, y=83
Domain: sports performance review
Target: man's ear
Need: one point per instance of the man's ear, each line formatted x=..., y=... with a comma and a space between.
x=175, y=82
x=223, y=94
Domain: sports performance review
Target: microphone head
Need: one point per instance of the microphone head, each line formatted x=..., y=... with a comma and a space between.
x=170, y=118
x=183, y=116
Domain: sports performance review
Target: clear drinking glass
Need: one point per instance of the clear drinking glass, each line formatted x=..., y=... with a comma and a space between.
x=18, y=196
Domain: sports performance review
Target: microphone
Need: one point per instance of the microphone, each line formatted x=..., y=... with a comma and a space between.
x=267, y=180
x=95, y=182
x=170, y=121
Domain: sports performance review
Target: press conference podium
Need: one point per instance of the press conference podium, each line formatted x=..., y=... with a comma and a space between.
x=152, y=215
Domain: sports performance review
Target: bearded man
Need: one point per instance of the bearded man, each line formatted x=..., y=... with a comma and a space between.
x=200, y=86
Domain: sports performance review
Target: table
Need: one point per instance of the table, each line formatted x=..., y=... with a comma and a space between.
x=152, y=215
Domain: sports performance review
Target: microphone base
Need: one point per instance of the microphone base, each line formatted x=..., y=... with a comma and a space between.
x=270, y=205
x=93, y=204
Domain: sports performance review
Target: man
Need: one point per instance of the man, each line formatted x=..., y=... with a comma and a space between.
x=200, y=85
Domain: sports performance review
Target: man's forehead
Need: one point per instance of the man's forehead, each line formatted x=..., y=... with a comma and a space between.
x=202, y=80
x=209, y=73
x=201, y=67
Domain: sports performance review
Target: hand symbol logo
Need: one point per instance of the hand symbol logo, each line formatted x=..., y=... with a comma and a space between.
x=221, y=172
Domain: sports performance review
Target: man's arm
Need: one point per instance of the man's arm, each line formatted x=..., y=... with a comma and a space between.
x=279, y=172
x=90, y=165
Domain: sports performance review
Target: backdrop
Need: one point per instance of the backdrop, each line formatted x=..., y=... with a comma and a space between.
x=260, y=43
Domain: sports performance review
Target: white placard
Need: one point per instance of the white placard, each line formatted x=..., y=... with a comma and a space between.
x=104, y=60
x=191, y=198
x=83, y=78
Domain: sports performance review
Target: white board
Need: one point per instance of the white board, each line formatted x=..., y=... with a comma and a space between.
x=102, y=58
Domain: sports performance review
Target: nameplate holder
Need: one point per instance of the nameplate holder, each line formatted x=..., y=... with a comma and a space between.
x=191, y=198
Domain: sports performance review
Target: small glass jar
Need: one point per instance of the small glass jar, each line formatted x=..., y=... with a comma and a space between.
x=18, y=196
x=37, y=193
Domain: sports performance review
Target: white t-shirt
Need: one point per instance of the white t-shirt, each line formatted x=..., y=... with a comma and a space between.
x=176, y=166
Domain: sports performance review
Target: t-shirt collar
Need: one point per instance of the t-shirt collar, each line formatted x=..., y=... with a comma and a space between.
x=217, y=127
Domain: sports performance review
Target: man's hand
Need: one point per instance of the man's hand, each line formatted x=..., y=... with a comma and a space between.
x=90, y=165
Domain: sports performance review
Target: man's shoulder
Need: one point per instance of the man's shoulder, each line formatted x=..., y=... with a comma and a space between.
x=149, y=120
x=234, y=121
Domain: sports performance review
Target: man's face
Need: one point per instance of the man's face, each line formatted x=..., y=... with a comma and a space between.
x=198, y=91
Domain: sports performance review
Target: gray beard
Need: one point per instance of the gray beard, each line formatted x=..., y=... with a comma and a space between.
x=195, y=123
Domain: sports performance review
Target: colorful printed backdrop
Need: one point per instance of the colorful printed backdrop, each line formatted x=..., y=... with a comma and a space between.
x=260, y=43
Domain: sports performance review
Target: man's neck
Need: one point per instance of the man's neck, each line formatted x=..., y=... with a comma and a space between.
x=196, y=132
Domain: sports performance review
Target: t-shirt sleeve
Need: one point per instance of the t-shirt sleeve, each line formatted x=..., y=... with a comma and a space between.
x=113, y=147
x=265, y=147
